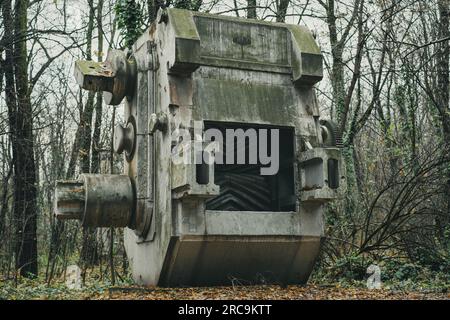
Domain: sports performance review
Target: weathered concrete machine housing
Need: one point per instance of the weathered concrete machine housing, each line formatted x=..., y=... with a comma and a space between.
x=207, y=224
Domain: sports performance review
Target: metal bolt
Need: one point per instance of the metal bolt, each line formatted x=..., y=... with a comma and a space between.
x=158, y=121
x=124, y=139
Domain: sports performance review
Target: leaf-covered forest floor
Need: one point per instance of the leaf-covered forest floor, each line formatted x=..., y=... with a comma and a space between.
x=399, y=281
x=308, y=292
x=33, y=289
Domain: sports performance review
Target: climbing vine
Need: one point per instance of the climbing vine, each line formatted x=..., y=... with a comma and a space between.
x=129, y=20
x=131, y=15
x=188, y=4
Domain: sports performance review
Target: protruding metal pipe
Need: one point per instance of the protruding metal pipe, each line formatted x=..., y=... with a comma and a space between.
x=69, y=200
x=98, y=200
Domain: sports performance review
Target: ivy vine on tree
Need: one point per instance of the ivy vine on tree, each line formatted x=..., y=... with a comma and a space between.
x=129, y=20
x=131, y=15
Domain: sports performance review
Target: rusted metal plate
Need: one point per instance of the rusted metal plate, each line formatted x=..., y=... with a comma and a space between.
x=94, y=76
x=115, y=77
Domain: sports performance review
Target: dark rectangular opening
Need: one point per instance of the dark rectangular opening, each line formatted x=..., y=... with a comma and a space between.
x=242, y=186
x=333, y=173
x=202, y=169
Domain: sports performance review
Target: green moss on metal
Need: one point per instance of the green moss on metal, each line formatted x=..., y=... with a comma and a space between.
x=303, y=39
x=93, y=68
x=183, y=23
x=292, y=47
x=306, y=57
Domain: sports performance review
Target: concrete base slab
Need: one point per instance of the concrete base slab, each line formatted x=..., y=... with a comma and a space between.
x=219, y=260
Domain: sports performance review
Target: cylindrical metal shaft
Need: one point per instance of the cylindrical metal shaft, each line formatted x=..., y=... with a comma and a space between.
x=69, y=199
x=98, y=200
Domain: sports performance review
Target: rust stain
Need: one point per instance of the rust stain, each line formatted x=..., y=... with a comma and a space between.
x=174, y=99
x=152, y=30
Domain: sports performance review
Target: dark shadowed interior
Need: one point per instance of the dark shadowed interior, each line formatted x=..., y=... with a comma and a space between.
x=242, y=187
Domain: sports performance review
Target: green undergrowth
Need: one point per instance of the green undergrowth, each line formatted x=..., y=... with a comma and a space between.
x=395, y=274
x=347, y=272
x=38, y=288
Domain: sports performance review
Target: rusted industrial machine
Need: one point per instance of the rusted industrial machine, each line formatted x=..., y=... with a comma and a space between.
x=209, y=222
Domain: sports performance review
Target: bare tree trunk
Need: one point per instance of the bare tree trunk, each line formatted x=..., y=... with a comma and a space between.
x=282, y=10
x=341, y=99
x=88, y=254
x=337, y=69
x=98, y=103
x=152, y=8
x=442, y=98
x=4, y=201
x=21, y=127
x=76, y=141
x=251, y=9
x=10, y=96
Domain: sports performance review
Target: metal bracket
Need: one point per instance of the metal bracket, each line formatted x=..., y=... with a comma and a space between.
x=322, y=175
